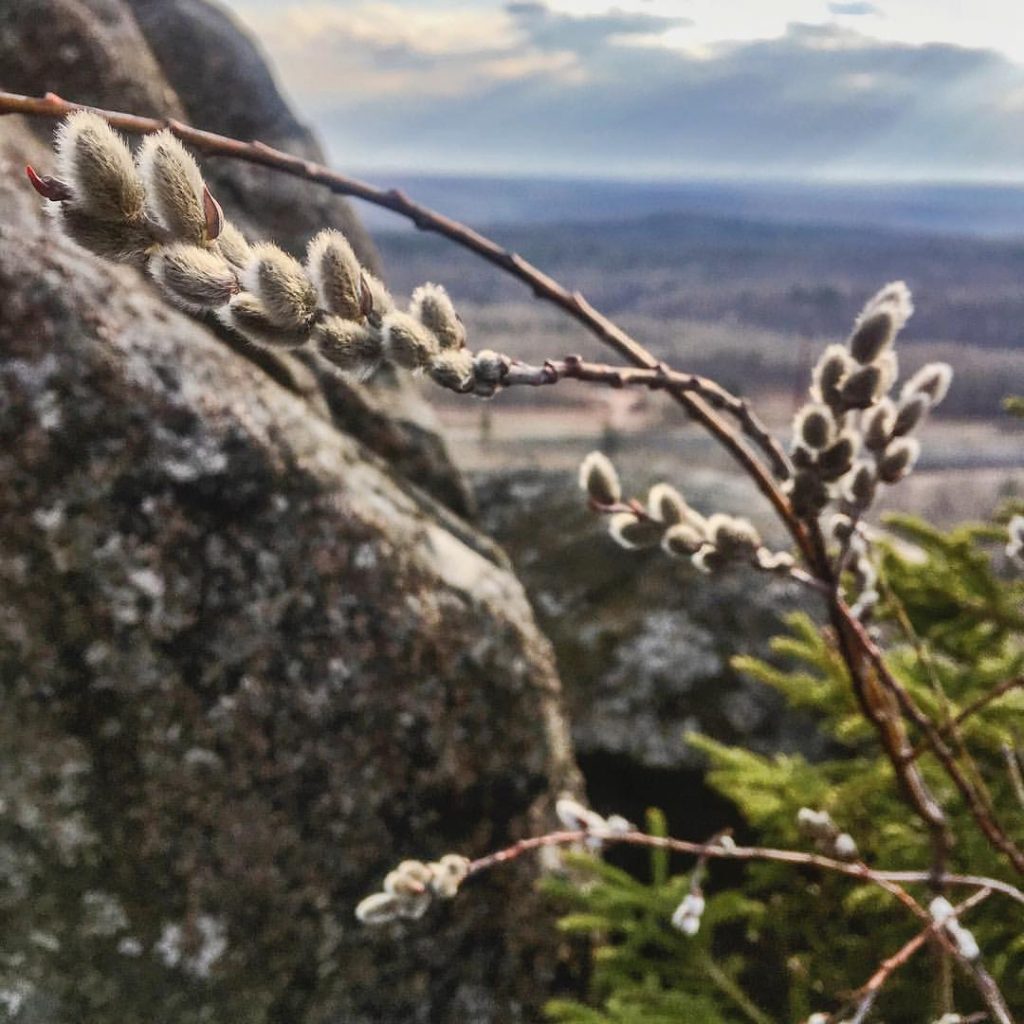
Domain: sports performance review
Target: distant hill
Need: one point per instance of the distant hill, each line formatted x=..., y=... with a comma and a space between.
x=995, y=211
x=792, y=277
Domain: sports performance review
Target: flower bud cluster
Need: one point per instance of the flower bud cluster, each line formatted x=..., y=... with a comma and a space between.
x=412, y=887
x=819, y=827
x=686, y=917
x=1015, y=543
x=852, y=436
x=155, y=211
x=944, y=914
x=710, y=543
x=573, y=815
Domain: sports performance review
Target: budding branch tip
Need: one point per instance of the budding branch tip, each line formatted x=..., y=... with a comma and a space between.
x=49, y=188
x=213, y=213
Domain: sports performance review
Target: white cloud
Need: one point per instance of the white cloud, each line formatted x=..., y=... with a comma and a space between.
x=582, y=86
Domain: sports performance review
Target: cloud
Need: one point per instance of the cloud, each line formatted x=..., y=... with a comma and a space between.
x=853, y=8
x=526, y=88
x=586, y=33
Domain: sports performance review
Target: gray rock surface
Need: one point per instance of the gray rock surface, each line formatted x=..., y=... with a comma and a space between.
x=245, y=664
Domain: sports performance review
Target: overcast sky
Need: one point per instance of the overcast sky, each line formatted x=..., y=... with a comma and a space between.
x=847, y=89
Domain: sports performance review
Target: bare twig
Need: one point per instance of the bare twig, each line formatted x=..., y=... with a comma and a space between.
x=868, y=993
x=852, y=869
x=1006, y=686
x=891, y=881
x=986, y=821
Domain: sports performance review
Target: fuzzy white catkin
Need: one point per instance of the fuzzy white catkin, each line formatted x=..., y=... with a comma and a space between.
x=282, y=286
x=433, y=307
x=933, y=380
x=686, y=917
x=453, y=369
x=814, y=426
x=898, y=459
x=407, y=342
x=633, y=533
x=573, y=815
x=174, y=186
x=349, y=345
x=911, y=411
x=335, y=271
x=837, y=459
x=194, y=277
x=682, y=541
x=667, y=505
x=597, y=476
x=863, y=387
x=97, y=166
x=883, y=317
x=733, y=536
x=829, y=373
x=233, y=247
x=379, y=908
x=130, y=242
x=247, y=315
x=877, y=424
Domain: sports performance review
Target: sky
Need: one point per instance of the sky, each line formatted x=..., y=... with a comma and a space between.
x=667, y=89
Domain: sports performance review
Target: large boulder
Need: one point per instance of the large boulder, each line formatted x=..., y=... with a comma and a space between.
x=246, y=665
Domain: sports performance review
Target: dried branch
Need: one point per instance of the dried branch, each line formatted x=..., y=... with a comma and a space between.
x=866, y=995
x=987, y=822
x=711, y=850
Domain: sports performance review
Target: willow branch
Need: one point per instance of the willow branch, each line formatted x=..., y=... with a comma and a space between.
x=852, y=869
x=987, y=822
x=542, y=285
x=975, y=706
x=878, y=708
x=868, y=993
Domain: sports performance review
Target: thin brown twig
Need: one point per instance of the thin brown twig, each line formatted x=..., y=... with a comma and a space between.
x=868, y=992
x=852, y=869
x=890, y=881
x=1016, y=683
x=989, y=825
x=879, y=709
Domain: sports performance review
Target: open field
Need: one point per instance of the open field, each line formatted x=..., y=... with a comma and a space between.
x=750, y=303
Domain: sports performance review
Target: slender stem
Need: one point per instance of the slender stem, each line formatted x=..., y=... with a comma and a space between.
x=975, y=706
x=852, y=869
x=1013, y=769
x=868, y=992
x=732, y=991
x=887, y=880
x=986, y=821
x=878, y=708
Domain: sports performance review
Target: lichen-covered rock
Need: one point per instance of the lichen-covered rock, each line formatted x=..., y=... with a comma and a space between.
x=244, y=669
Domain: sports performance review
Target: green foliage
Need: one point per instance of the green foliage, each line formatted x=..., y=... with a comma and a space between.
x=788, y=942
